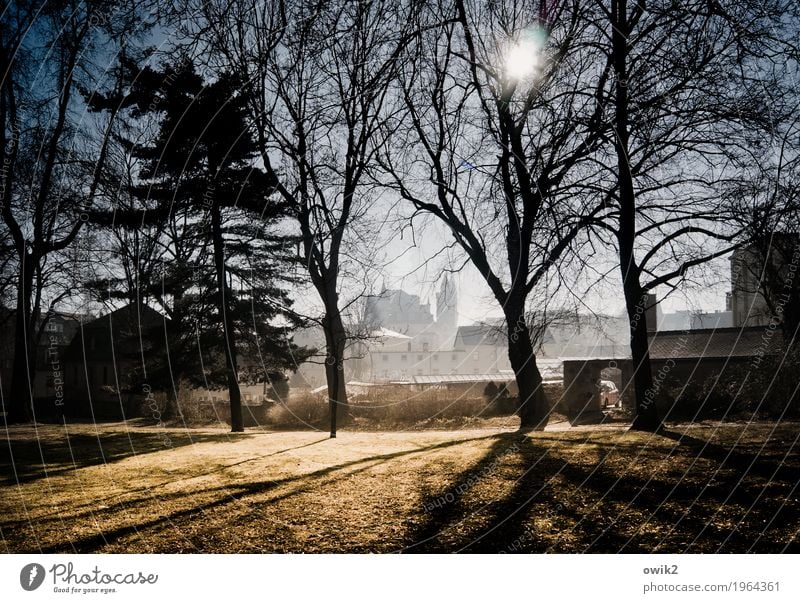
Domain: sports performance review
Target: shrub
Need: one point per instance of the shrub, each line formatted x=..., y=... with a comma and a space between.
x=157, y=406
x=383, y=406
x=300, y=412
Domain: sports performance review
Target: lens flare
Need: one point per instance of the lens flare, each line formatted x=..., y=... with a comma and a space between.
x=524, y=54
x=522, y=60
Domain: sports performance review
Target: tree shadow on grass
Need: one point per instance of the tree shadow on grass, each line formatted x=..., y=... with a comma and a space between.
x=25, y=459
x=454, y=523
x=593, y=507
x=767, y=464
x=225, y=495
x=556, y=501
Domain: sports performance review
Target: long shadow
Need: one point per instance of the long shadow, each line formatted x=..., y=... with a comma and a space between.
x=502, y=524
x=150, y=487
x=592, y=503
x=231, y=493
x=763, y=465
x=25, y=459
x=448, y=509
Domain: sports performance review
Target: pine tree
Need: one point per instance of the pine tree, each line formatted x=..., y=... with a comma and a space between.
x=223, y=278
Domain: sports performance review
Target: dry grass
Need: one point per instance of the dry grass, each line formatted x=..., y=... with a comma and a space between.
x=108, y=488
x=393, y=408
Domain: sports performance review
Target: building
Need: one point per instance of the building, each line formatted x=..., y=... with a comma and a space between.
x=693, y=348
x=761, y=274
x=406, y=339
x=54, y=333
x=586, y=335
x=107, y=362
x=712, y=320
x=688, y=357
x=50, y=378
x=405, y=313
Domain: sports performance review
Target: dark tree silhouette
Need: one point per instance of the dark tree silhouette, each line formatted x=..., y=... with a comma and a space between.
x=319, y=79
x=697, y=90
x=224, y=270
x=48, y=181
x=503, y=158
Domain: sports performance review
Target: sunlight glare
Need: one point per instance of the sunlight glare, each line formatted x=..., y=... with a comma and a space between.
x=522, y=59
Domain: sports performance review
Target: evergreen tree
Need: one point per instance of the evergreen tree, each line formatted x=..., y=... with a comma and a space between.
x=223, y=275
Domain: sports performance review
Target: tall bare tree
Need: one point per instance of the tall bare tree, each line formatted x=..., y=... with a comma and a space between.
x=320, y=77
x=501, y=122
x=47, y=51
x=697, y=89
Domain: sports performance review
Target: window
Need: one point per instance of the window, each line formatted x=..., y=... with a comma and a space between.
x=385, y=357
x=419, y=357
x=435, y=357
x=455, y=356
x=403, y=358
x=408, y=346
x=425, y=346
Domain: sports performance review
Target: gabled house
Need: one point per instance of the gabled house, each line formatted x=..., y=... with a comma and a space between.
x=107, y=362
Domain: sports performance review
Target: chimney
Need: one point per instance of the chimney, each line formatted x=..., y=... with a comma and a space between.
x=651, y=311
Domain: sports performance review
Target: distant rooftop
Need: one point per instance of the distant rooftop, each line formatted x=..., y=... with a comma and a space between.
x=383, y=332
x=730, y=342
x=715, y=343
x=501, y=376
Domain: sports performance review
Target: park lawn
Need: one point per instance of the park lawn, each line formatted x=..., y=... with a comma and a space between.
x=114, y=488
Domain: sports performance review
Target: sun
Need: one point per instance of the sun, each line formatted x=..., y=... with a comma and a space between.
x=522, y=59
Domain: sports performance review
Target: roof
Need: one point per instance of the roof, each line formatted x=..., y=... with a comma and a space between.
x=715, y=343
x=126, y=331
x=480, y=378
x=382, y=332
x=732, y=342
x=481, y=334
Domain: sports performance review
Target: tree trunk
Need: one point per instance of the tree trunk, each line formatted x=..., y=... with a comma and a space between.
x=646, y=417
x=171, y=410
x=533, y=409
x=231, y=370
x=20, y=403
x=335, y=340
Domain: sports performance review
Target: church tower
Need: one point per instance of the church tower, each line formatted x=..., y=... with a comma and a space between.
x=446, y=312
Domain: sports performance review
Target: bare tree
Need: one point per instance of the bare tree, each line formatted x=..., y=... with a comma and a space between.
x=696, y=89
x=319, y=77
x=46, y=54
x=497, y=142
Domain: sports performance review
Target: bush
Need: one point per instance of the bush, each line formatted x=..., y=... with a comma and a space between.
x=156, y=406
x=384, y=406
x=302, y=411
x=770, y=391
x=399, y=405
